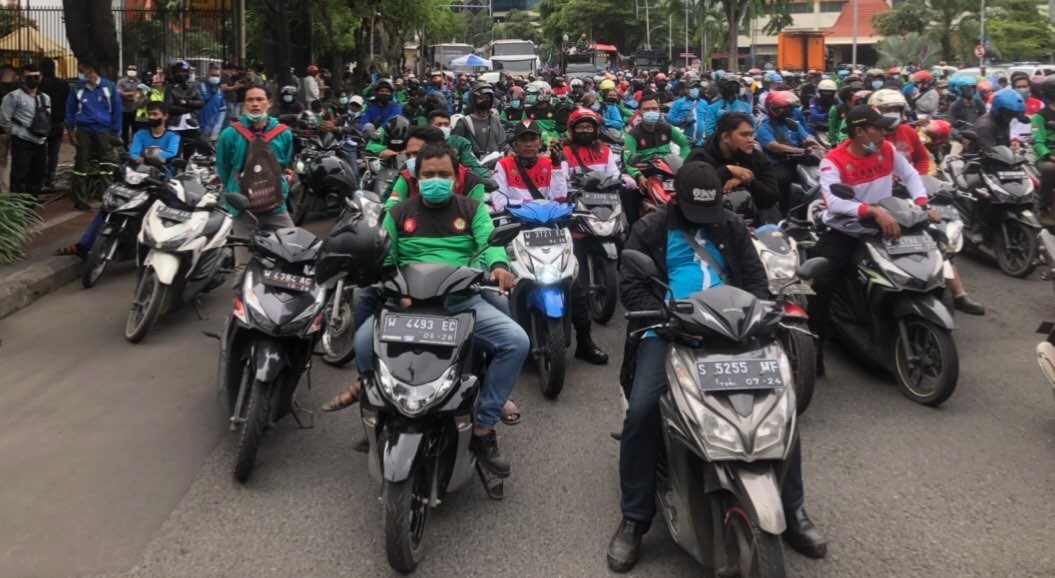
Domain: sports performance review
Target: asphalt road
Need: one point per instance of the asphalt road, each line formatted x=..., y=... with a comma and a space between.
x=115, y=461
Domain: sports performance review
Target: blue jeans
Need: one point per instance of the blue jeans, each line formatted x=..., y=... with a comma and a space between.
x=496, y=334
x=642, y=441
x=92, y=233
x=366, y=301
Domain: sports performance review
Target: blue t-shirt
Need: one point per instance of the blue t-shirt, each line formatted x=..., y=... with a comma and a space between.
x=686, y=272
x=767, y=132
x=144, y=144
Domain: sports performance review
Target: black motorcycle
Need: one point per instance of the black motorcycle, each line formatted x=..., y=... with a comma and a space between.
x=268, y=340
x=318, y=159
x=124, y=203
x=597, y=225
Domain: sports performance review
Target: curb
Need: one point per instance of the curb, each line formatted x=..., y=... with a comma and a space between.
x=26, y=286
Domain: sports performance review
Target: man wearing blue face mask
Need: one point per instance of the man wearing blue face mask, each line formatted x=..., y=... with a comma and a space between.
x=690, y=113
x=214, y=113
x=652, y=139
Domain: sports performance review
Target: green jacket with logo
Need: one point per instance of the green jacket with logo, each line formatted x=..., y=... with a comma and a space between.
x=449, y=235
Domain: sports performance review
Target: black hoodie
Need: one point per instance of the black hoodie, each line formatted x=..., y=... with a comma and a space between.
x=763, y=187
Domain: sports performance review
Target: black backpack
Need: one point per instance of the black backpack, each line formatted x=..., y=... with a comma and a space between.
x=40, y=126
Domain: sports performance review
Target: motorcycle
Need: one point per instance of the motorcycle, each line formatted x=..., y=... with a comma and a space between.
x=729, y=424
x=808, y=186
x=1047, y=245
x=318, y=159
x=942, y=195
x=995, y=199
x=890, y=311
x=599, y=224
x=184, y=236
x=543, y=259
x=1046, y=352
x=660, y=174
x=124, y=204
x=418, y=405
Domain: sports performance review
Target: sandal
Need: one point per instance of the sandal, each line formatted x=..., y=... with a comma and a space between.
x=76, y=250
x=345, y=398
x=510, y=413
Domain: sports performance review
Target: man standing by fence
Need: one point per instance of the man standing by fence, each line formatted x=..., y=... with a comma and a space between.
x=127, y=86
x=93, y=116
x=59, y=92
x=26, y=115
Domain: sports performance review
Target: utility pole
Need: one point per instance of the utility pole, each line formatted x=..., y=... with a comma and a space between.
x=648, y=29
x=670, y=38
x=687, y=63
x=853, y=59
x=981, y=61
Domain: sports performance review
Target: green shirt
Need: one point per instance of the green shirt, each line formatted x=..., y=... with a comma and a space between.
x=1043, y=137
x=448, y=235
x=463, y=146
x=645, y=155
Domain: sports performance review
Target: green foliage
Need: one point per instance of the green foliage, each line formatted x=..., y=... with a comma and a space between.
x=17, y=219
x=12, y=19
x=607, y=21
x=478, y=28
x=1018, y=31
x=907, y=17
x=521, y=26
x=912, y=47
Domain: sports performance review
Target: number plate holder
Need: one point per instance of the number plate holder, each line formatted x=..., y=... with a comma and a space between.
x=170, y=214
x=739, y=374
x=910, y=244
x=607, y=199
x=544, y=237
x=947, y=212
x=287, y=281
x=420, y=329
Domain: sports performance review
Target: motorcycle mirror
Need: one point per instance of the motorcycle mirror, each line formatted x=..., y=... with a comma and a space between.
x=238, y=201
x=503, y=235
x=842, y=191
x=812, y=268
x=637, y=264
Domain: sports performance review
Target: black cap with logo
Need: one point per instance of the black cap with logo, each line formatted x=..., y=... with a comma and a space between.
x=864, y=114
x=699, y=190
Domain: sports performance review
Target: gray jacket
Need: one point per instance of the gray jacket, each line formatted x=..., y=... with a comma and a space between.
x=17, y=111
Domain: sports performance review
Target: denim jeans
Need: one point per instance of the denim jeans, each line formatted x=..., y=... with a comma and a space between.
x=365, y=301
x=92, y=232
x=642, y=441
x=495, y=333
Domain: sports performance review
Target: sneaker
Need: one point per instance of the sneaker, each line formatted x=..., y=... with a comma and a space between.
x=487, y=452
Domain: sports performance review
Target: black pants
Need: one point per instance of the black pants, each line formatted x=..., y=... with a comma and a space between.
x=838, y=248
x=786, y=175
x=54, y=148
x=580, y=307
x=631, y=199
x=1047, y=184
x=188, y=142
x=128, y=120
x=29, y=166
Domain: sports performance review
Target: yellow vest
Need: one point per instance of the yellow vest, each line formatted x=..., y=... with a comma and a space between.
x=154, y=96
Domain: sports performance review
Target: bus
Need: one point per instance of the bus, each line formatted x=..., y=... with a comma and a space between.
x=440, y=56
x=514, y=56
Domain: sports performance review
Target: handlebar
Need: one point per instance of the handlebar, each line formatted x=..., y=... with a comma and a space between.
x=643, y=315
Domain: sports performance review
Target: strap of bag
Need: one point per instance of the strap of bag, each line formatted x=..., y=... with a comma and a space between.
x=532, y=188
x=704, y=255
x=578, y=159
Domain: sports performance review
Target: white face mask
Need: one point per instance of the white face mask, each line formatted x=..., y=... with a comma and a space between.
x=132, y=73
x=446, y=131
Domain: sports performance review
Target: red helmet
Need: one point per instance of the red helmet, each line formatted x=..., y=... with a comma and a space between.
x=313, y=69
x=939, y=132
x=780, y=99
x=985, y=88
x=923, y=76
x=860, y=97
x=584, y=115
x=516, y=93
x=894, y=71
x=660, y=77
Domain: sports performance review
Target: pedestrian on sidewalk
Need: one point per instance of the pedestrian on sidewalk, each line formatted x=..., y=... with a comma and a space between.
x=127, y=86
x=213, y=115
x=26, y=115
x=93, y=117
x=58, y=91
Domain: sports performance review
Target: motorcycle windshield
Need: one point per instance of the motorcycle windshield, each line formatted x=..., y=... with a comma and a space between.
x=543, y=213
x=1001, y=155
x=291, y=245
x=283, y=301
x=728, y=313
x=193, y=191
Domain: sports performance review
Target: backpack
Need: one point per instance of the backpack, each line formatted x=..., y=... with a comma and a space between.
x=40, y=126
x=261, y=177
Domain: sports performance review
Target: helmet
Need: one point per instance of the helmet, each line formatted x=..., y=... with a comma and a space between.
x=660, y=77
x=288, y=91
x=843, y=73
x=540, y=87
x=813, y=72
x=742, y=203
x=827, y=85
x=958, y=82
x=780, y=99
x=330, y=166
x=396, y=132
x=606, y=85
x=576, y=83
x=1007, y=99
x=584, y=115
x=385, y=83
x=875, y=72
x=774, y=77
x=860, y=97
x=939, y=132
x=179, y=66
x=1047, y=89
x=516, y=93
x=356, y=248
x=754, y=71
x=893, y=71
x=313, y=69
x=887, y=98
x=728, y=79
x=483, y=89
x=924, y=77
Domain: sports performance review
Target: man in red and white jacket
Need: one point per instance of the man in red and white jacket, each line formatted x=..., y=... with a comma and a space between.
x=514, y=172
x=868, y=163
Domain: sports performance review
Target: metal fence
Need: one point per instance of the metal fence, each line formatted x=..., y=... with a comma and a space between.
x=150, y=38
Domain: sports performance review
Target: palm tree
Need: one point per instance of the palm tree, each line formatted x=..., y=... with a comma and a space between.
x=912, y=47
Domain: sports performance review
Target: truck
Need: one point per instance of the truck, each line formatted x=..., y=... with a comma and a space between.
x=514, y=56
x=441, y=55
x=581, y=61
x=657, y=58
x=800, y=50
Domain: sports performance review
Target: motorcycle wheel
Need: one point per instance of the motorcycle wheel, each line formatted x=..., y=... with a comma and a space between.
x=551, y=363
x=257, y=415
x=602, y=300
x=302, y=206
x=98, y=259
x=339, y=345
x=406, y=512
x=931, y=379
x=802, y=354
x=146, y=306
x=1020, y=257
x=753, y=552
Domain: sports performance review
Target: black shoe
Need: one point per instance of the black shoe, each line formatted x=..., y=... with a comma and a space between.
x=617, y=435
x=625, y=546
x=967, y=305
x=803, y=536
x=588, y=350
x=486, y=450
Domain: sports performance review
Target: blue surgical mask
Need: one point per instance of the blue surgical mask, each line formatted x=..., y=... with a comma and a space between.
x=877, y=84
x=287, y=97
x=436, y=191
x=650, y=117
x=531, y=99
x=214, y=80
x=871, y=148
x=1023, y=91
x=694, y=93
x=596, y=107
x=81, y=76
x=412, y=163
x=446, y=132
x=256, y=117
x=343, y=100
x=515, y=104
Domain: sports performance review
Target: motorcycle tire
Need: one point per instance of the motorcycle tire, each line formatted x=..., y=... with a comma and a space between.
x=764, y=557
x=147, y=303
x=302, y=206
x=940, y=351
x=552, y=361
x=1019, y=259
x=406, y=513
x=801, y=349
x=602, y=300
x=339, y=348
x=98, y=259
x=257, y=415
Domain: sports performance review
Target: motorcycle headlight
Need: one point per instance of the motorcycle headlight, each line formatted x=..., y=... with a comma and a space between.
x=770, y=433
x=896, y=273
x=720, y=436
x=548, y=275
x=414, y=401
x=256, y=309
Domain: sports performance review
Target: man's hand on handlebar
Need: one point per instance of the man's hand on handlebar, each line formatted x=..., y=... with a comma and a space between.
x=887, y=223
x=504, y=279
x=740, y=173
x=387, y=154
x=642, y=182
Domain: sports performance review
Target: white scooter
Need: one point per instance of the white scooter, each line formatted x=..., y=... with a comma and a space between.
x=184, y=235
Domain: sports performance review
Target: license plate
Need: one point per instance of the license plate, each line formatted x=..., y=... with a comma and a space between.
x=668, y=186
x=742, y=374
x=910, y=244
x=171, y=214
x=121, y=192
x=947, y=212
x=543, y=237
x=1010, y=175
x=600, y=198
x=287, y=281
x=422, y=329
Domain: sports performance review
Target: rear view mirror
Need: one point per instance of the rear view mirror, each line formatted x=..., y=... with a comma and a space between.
x=812, y=268
x=842, y=191
x=238, y=201
x=637, y=264
x=503, y=235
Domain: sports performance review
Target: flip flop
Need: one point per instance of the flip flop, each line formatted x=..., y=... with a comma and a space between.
x=75, y=250
x=344, y=399
x=511, y=417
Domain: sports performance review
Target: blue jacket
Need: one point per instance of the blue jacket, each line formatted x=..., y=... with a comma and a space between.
x=215, y=106
x=144, y=140
x=446, y=96
x=692, y=117
x=768, y=131
x=613, y=117
x=817, y=121
x=721, y=107
x=377, y=115
x=94, y=111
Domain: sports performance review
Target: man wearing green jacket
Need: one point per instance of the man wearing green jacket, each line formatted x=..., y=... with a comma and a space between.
x=441, y=120
x=231, y=151
x=651, y=140
x=467, y=184
x=1044, y=150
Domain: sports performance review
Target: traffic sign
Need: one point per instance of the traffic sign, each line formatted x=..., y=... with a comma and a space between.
x=979, y=51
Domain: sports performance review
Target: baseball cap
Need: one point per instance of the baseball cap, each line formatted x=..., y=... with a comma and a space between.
x=356, y=100
x=527, y=127
x=699, y=190
x=863, y=114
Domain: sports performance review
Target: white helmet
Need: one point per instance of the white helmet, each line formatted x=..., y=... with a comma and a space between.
x=541, y=86
x=827, y=85
x=576, y=82
x=887, y=97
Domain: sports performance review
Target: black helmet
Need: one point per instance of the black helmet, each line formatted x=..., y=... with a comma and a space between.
x=742, y=203
x=179, y=66
x=385, y=83
x=355, y=248
x=396, y=132
x=1047, y=88
x=330, y=166
x=483, y=89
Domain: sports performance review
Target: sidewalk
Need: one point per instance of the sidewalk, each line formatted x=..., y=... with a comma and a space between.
x=41, y=272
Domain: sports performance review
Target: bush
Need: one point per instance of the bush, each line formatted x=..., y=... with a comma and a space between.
x=17, y=219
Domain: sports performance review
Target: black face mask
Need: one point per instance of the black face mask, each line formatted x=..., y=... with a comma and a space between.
x=32, y=82
x=730, y=93
x=528, y=163
x=584, y=138
x=384, y=99
x=155, y=122
x=483, y=105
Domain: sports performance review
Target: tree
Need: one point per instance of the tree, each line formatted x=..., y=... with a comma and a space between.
x=736, y=10
x=949, y=14
x=92, y=33
x=478, y=28
x=907, y=17
x=13, y=18
x=521, y=26
x=607, y=21
x=912, y=47
x=1018, y=32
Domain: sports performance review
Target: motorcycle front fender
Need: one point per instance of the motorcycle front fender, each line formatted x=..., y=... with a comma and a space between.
x=548, y=300
x=925, y=306
x=165, y=266
x=1024, y=216
x=758, y=485
x=398, y=452
x=270, y=357
x=609, y=251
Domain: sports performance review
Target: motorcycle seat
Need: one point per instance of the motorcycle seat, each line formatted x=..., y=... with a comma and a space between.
x=212, y=226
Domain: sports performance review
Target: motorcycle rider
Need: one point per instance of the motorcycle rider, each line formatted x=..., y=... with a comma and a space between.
x=585, y=154
x=438, y=86
x=184, y=102
x=288, y=108
x=541, y=109
x=483, y=128
x=967, y=108
x=515, y=111
x=700, y=215
x=690, y=112
x=1043, y=124
x=779, y=135
x=576, y=89
x=869, y=163
x=1021, y=127
x=820, y=106
x=925, y=98
x=662, y=92
x=651, y=139
x=381, y=108
x=468, y=183
x=441, y=120
x=994, y=129
x=525, y=176
x=614, y=116
x=730, y=87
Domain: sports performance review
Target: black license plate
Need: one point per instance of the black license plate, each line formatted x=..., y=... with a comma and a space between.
x=739, y=374
x=600, y=198
x=121, y=192
x=543, y=237
x=947, y=212
x=910, y=244
x=287, y=281
x=1010, y=175
x=668, y=186
x=422, y=329
x=170, y=214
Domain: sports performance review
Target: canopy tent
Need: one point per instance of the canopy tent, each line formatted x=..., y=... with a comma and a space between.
x=31, y=40
x=471, y=60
